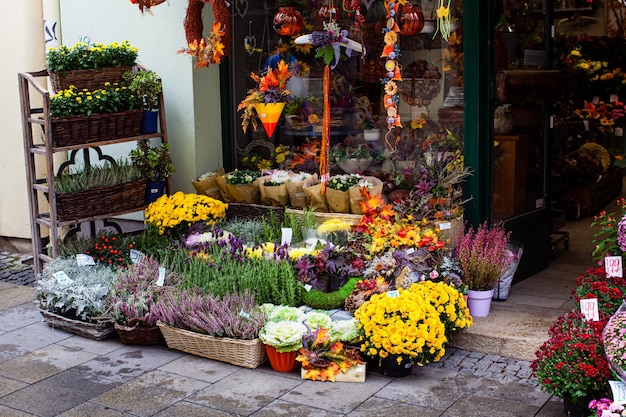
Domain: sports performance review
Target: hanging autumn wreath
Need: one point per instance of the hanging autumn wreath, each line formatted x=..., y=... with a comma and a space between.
x=210, y=49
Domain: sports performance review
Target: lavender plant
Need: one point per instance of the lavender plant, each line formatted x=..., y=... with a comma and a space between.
x=234, y=316
x=483, y=255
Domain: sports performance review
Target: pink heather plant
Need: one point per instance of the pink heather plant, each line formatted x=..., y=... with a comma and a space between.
x=483, y=256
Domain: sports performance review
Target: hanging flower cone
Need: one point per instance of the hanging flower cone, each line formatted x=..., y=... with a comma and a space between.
x=269, y=113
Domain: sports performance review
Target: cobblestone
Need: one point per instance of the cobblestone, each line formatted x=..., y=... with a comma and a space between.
x=17, y=269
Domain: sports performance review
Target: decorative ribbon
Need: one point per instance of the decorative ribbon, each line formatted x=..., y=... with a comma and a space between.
x=325, y=145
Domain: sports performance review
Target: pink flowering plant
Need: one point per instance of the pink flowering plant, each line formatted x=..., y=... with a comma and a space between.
x=614, y=336
x=610, y=239
x=483, y=255
x=605, y=407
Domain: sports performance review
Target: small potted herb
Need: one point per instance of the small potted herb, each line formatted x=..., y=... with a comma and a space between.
x=147, y=85
x=155, y=164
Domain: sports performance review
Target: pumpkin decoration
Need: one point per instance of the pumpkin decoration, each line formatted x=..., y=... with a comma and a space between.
x=287, y=21
x=411, y=20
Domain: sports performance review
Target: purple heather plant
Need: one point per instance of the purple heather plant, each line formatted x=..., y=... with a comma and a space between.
x=483, y=255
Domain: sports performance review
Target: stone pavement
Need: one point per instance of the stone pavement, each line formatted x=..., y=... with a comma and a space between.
x=48, y=372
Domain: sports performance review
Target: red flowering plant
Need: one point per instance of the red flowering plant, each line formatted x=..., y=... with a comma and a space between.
x=572, y=362
x=111, y=250
x=594, y=283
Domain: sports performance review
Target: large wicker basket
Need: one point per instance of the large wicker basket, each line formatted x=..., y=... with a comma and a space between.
x=100, y=330
x=79, y=130
x=126, y=197
x=89, y=79
x=139, y=335
x=245, y=353
x=253, y=211
x=321, y=217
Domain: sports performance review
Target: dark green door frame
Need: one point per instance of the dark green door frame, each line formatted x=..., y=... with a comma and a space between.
x=477, y=125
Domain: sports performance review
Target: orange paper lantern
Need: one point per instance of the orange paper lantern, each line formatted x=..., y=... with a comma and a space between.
x=269, y=113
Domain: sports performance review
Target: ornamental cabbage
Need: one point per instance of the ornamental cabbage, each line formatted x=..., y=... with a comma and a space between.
x=284, y=336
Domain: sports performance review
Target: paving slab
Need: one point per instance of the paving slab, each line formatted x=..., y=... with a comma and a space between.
x=30, y=338
x=339, y=397
x=9, y=412
x=99, y=347
x=381, y=407
x=150, y=393
x=188, y=409
x=43, y=363
x=90, y=409
x=477, y=406
x=520, y=393
x=244, y=392
x=199, y=368
x=16, y=295
x=19, y=316
x=58, y=393
x=8, y=385
x=288, y=409
x=128, y=362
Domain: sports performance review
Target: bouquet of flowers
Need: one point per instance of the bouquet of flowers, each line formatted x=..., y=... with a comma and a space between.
x=175, y=213
x=239, y=186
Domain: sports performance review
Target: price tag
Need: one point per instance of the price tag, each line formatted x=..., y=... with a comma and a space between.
x=619, y=132
x=619, y=391
x=613, y=266
x=161, y=279
x=595, y=100
x=445, y=226
x=286, y=236
x=613, y=98
x=244, y=314
x=136, y=255
x=589, y=308
x=393, y=294
x=82, y=259
x=586, y=125
x=307, y=287
x=410, y=251
x=62, y=278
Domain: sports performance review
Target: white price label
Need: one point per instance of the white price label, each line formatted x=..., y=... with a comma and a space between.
x=410, y=251
x=287, y=234
x=244, y=314
x=589, y=308
x=595, y=100
x=307, y=287
x=161, y=279
x=619, y=391
x=613, y=266
x=62, y=278
x=393, y=294
x=82, y=259
x=445, y=226
x=612, y=98
x=619, y=132
x=136, y=255
x=586, y=125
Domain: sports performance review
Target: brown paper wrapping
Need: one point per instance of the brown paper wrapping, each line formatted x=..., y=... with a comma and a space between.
x=248, y=194
x=208, y=186
x=221, y=186
x=355, y=193
x=338, y=201
x=314, y=197
x=275, y=195
x=297, y=196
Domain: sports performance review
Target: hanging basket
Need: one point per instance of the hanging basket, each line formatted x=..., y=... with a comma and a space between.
x=89, y=79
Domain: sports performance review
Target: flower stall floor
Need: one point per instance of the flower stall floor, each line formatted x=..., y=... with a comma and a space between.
x=48, y=372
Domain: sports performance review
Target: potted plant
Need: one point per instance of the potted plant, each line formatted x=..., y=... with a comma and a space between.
x=240, y=186
x=282, y=336
x=483, y=256
x=72, y=297
x=572, y=363
x=400, y=330
x=155, y=164
x=147, y=85
x=134, y=291
x=352, y=157
x=267, y=99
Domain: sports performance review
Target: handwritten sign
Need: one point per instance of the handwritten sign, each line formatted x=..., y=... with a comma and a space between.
x=82, y=259
x=589, y=308
x=619, y=391
x=613, y=266
x=135, y=255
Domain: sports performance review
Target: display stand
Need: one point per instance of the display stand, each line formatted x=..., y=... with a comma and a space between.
x=40, y=153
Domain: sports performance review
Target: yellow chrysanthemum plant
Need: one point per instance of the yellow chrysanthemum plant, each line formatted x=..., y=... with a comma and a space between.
x=448, y=302
x=174, y=214
x=403, y=325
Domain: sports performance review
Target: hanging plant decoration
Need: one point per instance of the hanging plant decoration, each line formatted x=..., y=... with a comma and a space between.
x=443, y=20
x=144, y=5
x=391, y=53
x=211, y=49
x=287, y=21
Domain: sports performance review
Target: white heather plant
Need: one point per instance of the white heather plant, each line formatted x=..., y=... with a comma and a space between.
x=79, y=293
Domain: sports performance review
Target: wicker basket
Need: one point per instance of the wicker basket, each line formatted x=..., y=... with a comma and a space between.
x=245, y=353
x=139, y=335
x=321, y=217
x=127, y=197
x=253, y=211
x=89, y=79
x=80, y=130
x=100, y=330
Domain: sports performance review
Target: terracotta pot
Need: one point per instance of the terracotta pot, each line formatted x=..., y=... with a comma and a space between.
x=287, y=21
x=281, y=361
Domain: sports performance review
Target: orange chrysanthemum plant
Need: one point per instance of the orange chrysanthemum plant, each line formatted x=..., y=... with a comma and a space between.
x=206, y=51
x=322, y=358
x=388, y=232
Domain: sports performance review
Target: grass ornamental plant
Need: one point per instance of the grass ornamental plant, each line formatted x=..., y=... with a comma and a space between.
x=573, y=363
x=94, y=56
x=406, y=328
x=483, y=256
x=113, y=98
x=92, y=177
x=175, y=213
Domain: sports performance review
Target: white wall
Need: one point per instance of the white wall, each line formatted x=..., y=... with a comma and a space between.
x=23, y=50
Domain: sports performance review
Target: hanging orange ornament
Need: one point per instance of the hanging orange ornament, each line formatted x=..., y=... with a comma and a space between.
x=287, y=21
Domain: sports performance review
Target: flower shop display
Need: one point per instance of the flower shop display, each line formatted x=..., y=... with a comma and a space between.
x=282, y=336
x=134, y=291
x=400, y=330
x=72, y=297
x=155, y=164
x=206, y=184
x=173, y=214
x=273, y=187
x=483, y=257
x=267, y=99
x=594, y=283
x=220, y=328
x=80, y=116
x=95, y=190
x=572, y=363
x=239, y=186
x=89, y=66
x=610, y=239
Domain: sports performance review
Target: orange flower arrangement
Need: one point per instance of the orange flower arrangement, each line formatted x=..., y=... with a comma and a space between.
x=206, y=51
